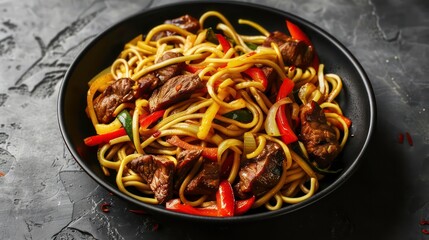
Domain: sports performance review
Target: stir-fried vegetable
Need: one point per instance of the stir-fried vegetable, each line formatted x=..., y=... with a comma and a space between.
x=210, y=153
x=298, y=34
x=147, y=120
x=257, y=75
x=286, y=132
x=177, y=206
x=223, y=42
x=211, y=36
x=225, y=199
x=241, y=115
x=104, y=138
x=127, y=122
x=226, y=205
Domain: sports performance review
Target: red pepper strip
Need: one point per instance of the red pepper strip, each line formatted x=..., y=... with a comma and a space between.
x=210, y=153
x=401, y=138
x=104, y=138
x=287, y=134
x=409, y=139
x=224, y=208
x=338, y=124
x=225, y=199
x=242, y=206
x=424, y=222
x=146, y=121
x=192, y=69
x=298, y=34
x=257, y=75
x=285, y=89
x=223, y=42
x=175, y=205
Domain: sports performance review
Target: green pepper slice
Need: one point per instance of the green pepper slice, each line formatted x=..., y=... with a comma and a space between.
x=241, y=115
x=127, y=122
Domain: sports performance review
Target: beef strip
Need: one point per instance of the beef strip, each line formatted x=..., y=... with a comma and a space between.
x=260, y=174
x=174, y=90
x=318, y=137
x=158, y=172
x=276, y=37
x=169, y=71
x=294, y=52
x=270, y=74
x=118, y=92
x=185, y=22
x=273, y=83
x=185, y=161
x=123, y=89
x=148, y=82
x=206, y=181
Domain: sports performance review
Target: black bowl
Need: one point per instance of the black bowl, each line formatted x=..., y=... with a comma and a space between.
x=357, y=99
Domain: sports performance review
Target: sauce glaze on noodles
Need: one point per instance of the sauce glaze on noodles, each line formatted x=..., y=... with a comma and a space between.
x=199, y=119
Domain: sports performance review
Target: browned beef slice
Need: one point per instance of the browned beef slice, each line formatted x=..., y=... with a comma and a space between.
x=186, y=22
x=260, y=174
x=169, y=71
x=277, y=37
x=294, y=52
x=206, y=181
x=185, y=161
x=158, y=172
x=118, y=92
x=270, y=73
x=318, y=137
x=174, y=90
x=148, y=82
x=143, y=165
x=272, y=87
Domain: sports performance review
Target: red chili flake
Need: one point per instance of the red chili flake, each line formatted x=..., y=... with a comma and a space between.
x=156, y=134
x=105, y=207
x=425, y=231
x=292, y=68
x=251, y=54
x=424, y=222
x=137, y=211
x=178, y=87
x=409, y=139
x=1, y=174
x=401, y=138
x=155, y=227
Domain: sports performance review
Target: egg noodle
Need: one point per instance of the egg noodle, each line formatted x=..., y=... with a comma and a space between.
x=200, y=120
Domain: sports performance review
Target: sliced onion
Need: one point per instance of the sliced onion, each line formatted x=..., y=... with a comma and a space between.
x=305, y=92
x=249, y=143
x=270, y=122
x=321, y=79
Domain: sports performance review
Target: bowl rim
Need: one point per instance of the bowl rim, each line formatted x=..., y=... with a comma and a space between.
x=245, y=218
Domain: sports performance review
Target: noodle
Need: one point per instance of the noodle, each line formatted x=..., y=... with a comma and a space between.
x=201, y=120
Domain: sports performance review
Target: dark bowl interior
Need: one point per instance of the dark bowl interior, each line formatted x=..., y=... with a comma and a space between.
x=357, y=98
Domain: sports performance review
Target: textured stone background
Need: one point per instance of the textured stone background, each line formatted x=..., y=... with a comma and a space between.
x=45, y=195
